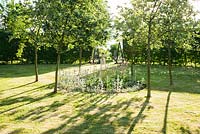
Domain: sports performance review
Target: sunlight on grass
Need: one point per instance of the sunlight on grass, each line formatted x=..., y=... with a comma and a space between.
x=27, y=107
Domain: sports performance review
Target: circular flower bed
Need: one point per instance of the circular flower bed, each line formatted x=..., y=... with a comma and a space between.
x=109, y=80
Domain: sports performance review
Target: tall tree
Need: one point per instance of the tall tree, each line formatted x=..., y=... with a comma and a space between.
x=131, y=27
x=176, y=20
x=24, y=20
x=92, y=24
x=150, y=19
x=59, y=28
x=134, y=24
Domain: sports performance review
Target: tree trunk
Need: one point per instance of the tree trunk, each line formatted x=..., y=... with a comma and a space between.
x=93, y=54
x=185, y=59
x=170, y=64
x=132, y=71
x=56, y=74
x=117, y=56
x=120, y=49
x=149, y=62
x=36, y=64
x=80, y=59
x=195, y=59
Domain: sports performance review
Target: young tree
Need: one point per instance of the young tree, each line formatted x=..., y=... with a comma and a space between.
x=59, y=27
x=154, y=9
x=176, y=19
x=92, y=21
x=138, y=21
x=25, y=21
x=131, y=25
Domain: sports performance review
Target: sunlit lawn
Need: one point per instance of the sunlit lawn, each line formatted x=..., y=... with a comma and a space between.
x=31, y=108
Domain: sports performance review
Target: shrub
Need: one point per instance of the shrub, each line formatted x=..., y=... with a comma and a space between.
x=109, y=80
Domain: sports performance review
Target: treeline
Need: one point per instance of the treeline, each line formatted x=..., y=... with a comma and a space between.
x=46, y=55
x=168, y=27
x=180, y=56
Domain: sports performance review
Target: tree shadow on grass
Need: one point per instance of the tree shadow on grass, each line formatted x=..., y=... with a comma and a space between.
x=17, y=131
x=27, y=91
x=38, y=112
x=138, y=117
x=28, y=100
x=95, y=115
x=184, y=130
x=164, y=129
x=18, y=86
x=3, y=126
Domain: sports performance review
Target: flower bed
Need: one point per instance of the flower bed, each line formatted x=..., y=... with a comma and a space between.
x=116, y=79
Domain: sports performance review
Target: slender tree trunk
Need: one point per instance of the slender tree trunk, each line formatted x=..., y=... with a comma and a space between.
x=56, y=74
x=121, y=51
x=149, y=62
x=132, y=71
x=195, y=59
x=36, y=57
x=80, y=59
x=185, y=59
x=170, y=64
x=117, y=53
x=93, y=56
x=36, y=63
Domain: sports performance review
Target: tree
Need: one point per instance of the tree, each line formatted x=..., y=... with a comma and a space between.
x=131, y=27
x=176, y=24
x=138, y=21
x=70, y=24
x=35, y=33
x=24, y=20
x=92, y=22
x=59, y=27
x=153, y=12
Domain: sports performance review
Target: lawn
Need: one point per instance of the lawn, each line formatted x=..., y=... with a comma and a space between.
x=31, y=108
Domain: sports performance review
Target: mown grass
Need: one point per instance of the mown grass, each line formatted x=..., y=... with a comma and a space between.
x=31, y=108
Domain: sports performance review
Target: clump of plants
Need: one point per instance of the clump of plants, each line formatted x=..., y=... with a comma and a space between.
x=109, y=80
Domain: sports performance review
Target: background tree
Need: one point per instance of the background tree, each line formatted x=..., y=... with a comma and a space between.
x=134, y=32
x=134, y=24
x=24, y=21
x=175, y=25
x=92, y=21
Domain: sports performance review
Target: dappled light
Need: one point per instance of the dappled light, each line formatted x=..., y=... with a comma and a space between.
x=79, y=112
x=99, y=67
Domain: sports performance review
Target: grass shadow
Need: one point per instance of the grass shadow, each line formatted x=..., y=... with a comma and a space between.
x=25, y=99
x=138, y=117
x=39, y=112
x=27, y=91
x=19, y=86
x=95, y=116
x=186, y=131
x=17, y=131
x=164, y=129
